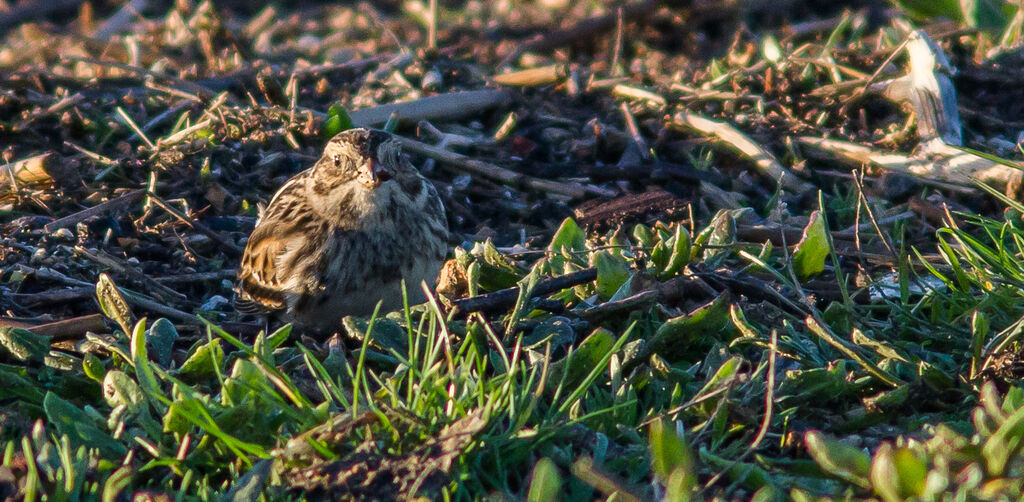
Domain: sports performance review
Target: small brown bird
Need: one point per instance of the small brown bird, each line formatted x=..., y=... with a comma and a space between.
x=341, y=235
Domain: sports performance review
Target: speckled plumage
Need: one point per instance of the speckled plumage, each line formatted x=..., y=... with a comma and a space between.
x=341, y=235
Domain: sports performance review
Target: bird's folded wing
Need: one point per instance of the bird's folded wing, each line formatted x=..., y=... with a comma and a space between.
x=261, y=284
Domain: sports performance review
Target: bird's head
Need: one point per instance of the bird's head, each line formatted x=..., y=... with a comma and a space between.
x=366, y=156
x=356, y=176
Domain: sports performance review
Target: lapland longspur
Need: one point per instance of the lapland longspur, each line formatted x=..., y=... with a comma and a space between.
x=341, y=235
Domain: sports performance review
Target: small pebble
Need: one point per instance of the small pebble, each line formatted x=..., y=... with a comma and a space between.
x=461, y=182
x=215, y=303
x=38, y=256
x=431, y=81
x=63, y=234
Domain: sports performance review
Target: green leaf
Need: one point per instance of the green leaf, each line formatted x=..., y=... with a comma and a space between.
x=120, y=390
x=70, y=420
x=203, y=363
x=670, y=458
x=984, y=14
x=160, y=338
x=23, y=345
x=112, y=303
x=15, y=384
x=913, y=472
x=813, y=248
x=588, y=355
x=143, y=367
x=546, y=484
x=387, y=335
x=680, y=256
x=930, y=9
x=612, y=272
x=337, y=121
x=841, y=460
x=643, y=235
x=526, y=286
x=490, y=269
x=93, y=367
x=884, y=477
x=279, y=337
x=713, y=240
x=568, y=236
x=680, y=334
x=1004, y=444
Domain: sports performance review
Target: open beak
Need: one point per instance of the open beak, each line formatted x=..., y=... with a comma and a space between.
x=375, y=175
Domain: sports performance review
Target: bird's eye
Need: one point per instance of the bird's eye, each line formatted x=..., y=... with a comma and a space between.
x=337, y=160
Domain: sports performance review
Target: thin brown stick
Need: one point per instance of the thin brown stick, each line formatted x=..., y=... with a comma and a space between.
x=191, y=87
x=584, y=30
x=39, y=8
x=160, y=291
x=112, y=205
x=531, y=77
x=727, y=134
x=198, y=276
x=505, y=297
x=71, y=329
x=219, y=239
x=448, y=106
x=486, y=169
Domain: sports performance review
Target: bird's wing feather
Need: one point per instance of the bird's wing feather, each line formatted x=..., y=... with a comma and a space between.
x=262, y=281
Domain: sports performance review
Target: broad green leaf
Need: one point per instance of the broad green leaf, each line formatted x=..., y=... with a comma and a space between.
x=546, y=484
x=387, y=334
x=930, y=9
x=669, y=453
x=984, y=14
x=23, y=345
x=15, y=384
x=568, y=236
x=160, y=338
x=112, y=303
x=913, y=472
x=676, y=336
x=1004, y=444
x=643, y=235
x=120, y=390
x=884, y=477
x=713, y=240
x=93, y=367
x=897, y=474
x=70, y=420
x=813, y=248
x=612, y=272
x=680, y=255
x=203, y=363
x=143, y=367
x=337, y=121
x=588, y=355
x=841, y=460
x=490, y=269
x=279, y=337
